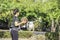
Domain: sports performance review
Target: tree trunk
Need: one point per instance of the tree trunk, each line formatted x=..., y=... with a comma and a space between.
x=53, y=27
x=59, y=30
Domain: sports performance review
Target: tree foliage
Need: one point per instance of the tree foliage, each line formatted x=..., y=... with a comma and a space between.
x=32, y=9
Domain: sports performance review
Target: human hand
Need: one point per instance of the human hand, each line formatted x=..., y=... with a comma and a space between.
x=24, y=21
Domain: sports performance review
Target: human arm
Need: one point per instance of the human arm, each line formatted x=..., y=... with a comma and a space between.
x=17, y=24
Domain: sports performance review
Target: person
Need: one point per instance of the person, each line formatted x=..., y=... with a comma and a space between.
x=15, y=24
x=29, y=25
x=24, y=26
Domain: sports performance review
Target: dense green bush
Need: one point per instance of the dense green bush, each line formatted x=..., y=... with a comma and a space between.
x=22, y=34
x=4, y=34
x=52, y=36
x=1, y=34
x=25, y=34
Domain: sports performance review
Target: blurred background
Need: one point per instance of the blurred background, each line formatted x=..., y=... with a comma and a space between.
x=45, y=15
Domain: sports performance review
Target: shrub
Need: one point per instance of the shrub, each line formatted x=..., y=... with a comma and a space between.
x=25, y=34
x=1, y=34
x=52, y=36
x=22, y=34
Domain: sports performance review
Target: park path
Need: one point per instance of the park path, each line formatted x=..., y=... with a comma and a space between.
x=18, y=39
x=11, y=39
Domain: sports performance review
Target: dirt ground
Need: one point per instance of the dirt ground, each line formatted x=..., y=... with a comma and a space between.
x=11, y=39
